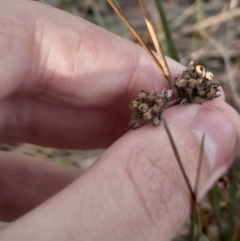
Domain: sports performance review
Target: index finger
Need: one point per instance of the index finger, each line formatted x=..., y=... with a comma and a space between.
x=70, y=58
x=54, y=55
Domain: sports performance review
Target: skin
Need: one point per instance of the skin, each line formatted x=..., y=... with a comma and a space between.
x=67, y=83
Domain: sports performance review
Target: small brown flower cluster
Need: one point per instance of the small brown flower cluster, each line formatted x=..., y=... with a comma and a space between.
x=196, y=85
x=148, y=106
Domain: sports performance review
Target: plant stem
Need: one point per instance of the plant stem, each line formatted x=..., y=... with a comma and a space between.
x=156, y=43
x=171, y=46
x=135, y=33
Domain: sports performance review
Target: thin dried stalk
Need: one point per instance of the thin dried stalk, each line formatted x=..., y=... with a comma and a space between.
x=156, y=43
x=199, y=165
x=135, y=33
x=179, y=161
x=209, y=22
x=178, y=21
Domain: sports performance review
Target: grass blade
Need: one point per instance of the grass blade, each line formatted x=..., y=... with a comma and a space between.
x=179, y=161
x=171, y=46
x=232, y=210
x=199, y=165
x=96, y=13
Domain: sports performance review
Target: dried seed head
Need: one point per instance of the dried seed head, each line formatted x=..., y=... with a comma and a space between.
x=186, y=75
x=134, y=104
x=136, y=114
x=210, y=94
x=143, y=95
x=197, y=100
x=194, y=74
x=195, y=85
x=151, y=97
x=191, y=65
x=188, y=91
x=147, y=116
x=199, y=87
x=200, y=81
x=200, y=71
x=209, y=76
x=156, y=121
x=201, y=93
x=156, y=108
x=181, y=82
x=192, y=83
x=159, y=100
x=135, y=123
x=148, y=106
x=168, y=93
x=143, y=107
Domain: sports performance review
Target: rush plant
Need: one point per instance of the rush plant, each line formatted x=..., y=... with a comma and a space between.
x=193, y=85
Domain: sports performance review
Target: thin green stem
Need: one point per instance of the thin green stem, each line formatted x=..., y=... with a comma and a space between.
x=170, y=43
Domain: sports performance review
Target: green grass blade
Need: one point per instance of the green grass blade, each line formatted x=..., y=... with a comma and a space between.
x=215, y=199
x=192, y=226
x=232, y=210
x=96, y=13
x=68, y=6
x=170, y=43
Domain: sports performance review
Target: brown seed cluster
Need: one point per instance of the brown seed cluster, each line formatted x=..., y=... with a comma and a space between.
x=196, y=85
x=148, y=107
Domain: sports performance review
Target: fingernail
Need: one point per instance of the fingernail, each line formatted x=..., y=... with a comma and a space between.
x=221, y=138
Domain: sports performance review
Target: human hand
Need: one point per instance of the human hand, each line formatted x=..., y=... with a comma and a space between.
x=67, y=83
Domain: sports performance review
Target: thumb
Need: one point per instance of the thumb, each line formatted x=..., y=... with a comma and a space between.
x=136, y=191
